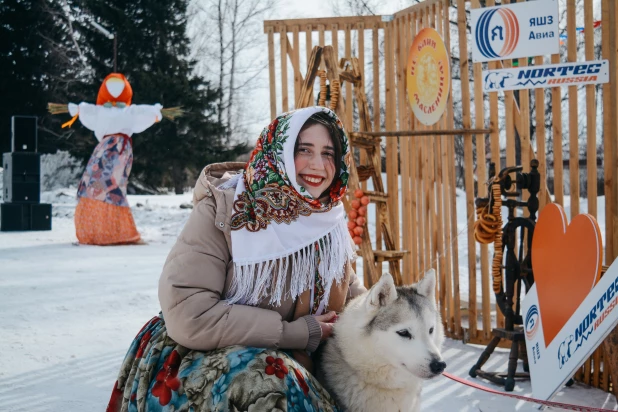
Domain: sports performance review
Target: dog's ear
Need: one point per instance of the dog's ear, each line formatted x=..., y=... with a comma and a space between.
x=427, y=285
x=383, y=292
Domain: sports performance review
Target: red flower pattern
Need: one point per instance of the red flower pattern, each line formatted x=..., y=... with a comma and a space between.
x=167, y=380
x=272, y=128
x=276, y=367
x=301, y=381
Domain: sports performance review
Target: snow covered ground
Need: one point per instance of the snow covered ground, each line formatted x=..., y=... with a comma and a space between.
x=69, y=313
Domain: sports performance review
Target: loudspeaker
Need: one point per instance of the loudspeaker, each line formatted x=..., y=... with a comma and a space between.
x=41, y=216
x=24, y=134
x=25, y=216
x=21, y=164
x=14, y=216
x=22, y=192
x=22, y=177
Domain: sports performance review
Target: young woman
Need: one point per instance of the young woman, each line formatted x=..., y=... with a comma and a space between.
x=254, y=281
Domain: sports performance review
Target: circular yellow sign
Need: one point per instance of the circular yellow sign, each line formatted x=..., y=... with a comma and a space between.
x=428, y=76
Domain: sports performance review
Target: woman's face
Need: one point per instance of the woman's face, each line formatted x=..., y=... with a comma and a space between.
x=315, y=160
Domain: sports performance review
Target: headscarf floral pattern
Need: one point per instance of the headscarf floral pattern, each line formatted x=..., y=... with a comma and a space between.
x=270, y=196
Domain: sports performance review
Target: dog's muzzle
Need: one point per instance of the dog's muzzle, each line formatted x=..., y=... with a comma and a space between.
x=437, y=366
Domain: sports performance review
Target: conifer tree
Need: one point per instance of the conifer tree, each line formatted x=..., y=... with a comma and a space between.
x=35, y=55
x=153, y=53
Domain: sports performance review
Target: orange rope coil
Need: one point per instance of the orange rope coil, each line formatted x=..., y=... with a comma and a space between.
x=488, y=229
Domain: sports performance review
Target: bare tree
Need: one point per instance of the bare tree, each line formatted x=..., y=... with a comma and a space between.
x=229, y=46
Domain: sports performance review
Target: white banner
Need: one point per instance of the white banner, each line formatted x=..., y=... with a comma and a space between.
x=551, y=75
x=515, y=30
x=594, y=319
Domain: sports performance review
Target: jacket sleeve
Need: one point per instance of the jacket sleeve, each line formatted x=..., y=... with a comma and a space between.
x=190, y=293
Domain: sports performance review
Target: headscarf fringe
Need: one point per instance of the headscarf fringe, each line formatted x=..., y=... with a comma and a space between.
x=253, y=282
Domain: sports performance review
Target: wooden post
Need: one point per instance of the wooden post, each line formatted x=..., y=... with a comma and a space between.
x=284, y=69
x=591, y=119
x=271, y=73
x=469, y=177
x=309, y=50
x=573, y=121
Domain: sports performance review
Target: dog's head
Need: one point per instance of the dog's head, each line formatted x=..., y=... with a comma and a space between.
x=404, y=325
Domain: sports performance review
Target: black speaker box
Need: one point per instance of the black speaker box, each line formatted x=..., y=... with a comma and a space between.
x=41, y=216
x=22, y=192
x=24, y=216
x=24, y=134
x=22, y=177
x=17, y=164
x=14, y=216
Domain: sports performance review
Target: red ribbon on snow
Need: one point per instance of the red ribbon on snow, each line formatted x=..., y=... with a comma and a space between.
x=526, y=398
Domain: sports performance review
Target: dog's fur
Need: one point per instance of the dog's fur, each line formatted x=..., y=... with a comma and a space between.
x=367, y=365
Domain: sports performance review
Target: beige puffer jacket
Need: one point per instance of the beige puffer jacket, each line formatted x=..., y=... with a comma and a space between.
x=198, y=273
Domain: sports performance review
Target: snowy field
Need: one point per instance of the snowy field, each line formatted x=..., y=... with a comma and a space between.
x=69, y=313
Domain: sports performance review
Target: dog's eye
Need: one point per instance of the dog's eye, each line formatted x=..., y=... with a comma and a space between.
x=430, y=330
x=404, y=333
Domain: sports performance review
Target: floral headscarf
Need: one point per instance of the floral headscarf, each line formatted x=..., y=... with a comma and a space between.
x=277, y=225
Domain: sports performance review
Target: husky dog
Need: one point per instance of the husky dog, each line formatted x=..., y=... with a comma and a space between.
x=385, y=343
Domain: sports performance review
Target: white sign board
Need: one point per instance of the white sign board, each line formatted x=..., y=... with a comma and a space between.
x=551, y=75
x=594, y=319
x=515, y=30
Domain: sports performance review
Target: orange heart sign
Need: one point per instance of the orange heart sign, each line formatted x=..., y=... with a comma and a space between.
x=566, y=261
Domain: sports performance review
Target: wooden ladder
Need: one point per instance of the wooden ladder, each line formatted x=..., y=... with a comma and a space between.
x=349, y=70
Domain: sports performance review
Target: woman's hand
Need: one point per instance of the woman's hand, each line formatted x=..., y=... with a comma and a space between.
x=326, y=324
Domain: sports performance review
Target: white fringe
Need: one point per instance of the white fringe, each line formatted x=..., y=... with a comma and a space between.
x=254, y=282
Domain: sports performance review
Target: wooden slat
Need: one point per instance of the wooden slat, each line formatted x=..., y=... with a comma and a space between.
x=420, y=173
x=469, y=166
x=413, y=166
x=327, y=21
x=271, y=73
x=431, y=144
x=321, y=40
x=613, y=125
x=284, y=69
x=298, y=79
x=591, y=116
x=348, y=86
x=556, y=96
x=361, y=60
x=406, y=217
x=423, y=179
x=391, y=146
x=608, y=162
x=444, y=122
x=376, y=115
x=439, y=173
x=334, y=32
x=539, y=102
x=573, y=121
x=609, y=13
x=309, y=50
x=452, y=205
x=481, y=177
x=495, y=149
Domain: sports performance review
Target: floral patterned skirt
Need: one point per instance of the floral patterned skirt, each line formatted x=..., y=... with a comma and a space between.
x=158, y=374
